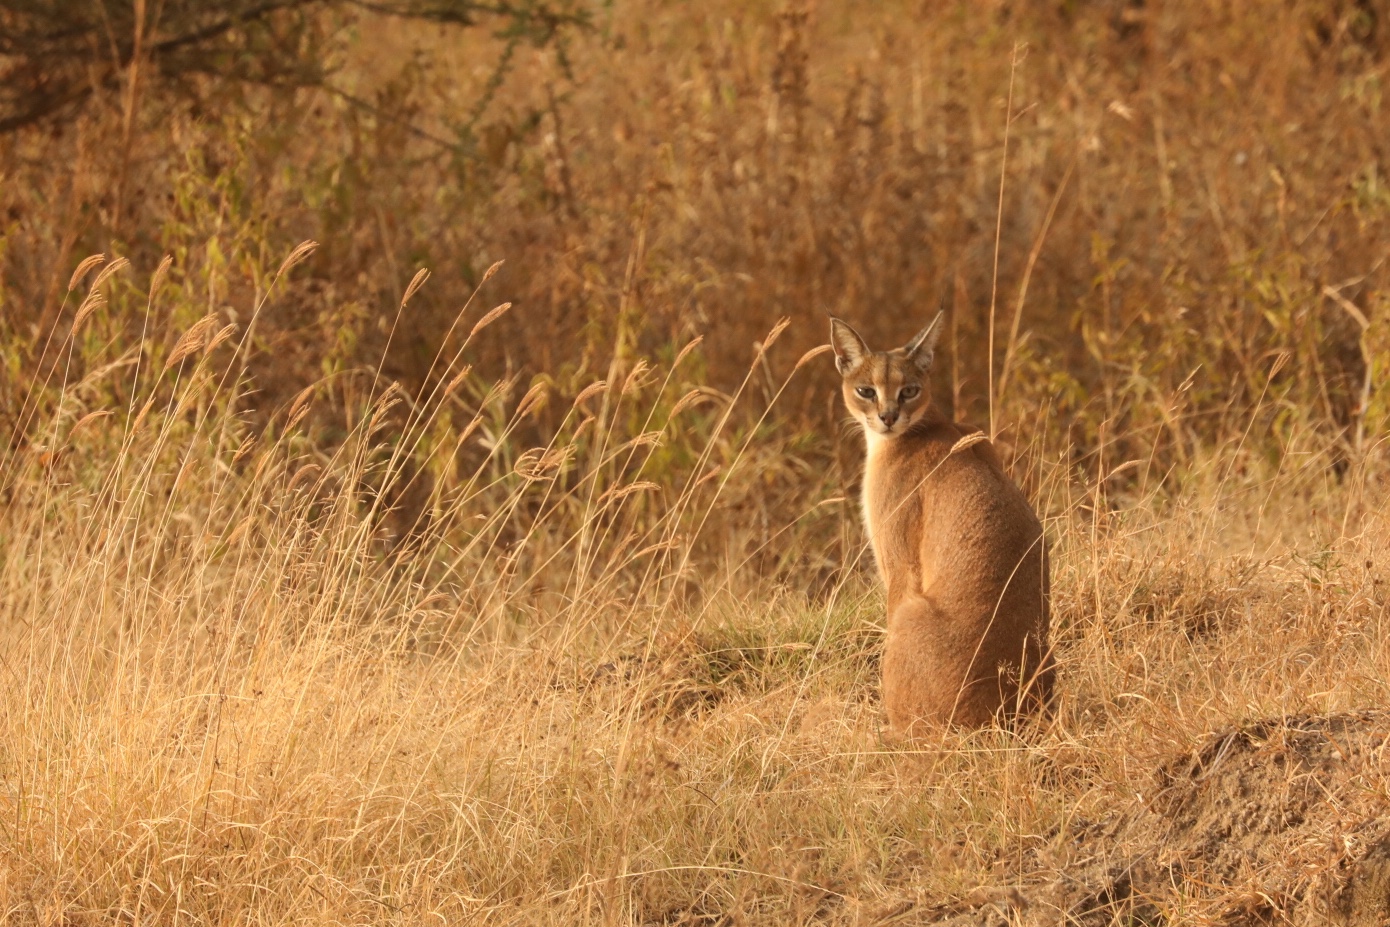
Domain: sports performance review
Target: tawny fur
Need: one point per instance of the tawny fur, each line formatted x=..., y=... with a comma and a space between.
x=957, y=544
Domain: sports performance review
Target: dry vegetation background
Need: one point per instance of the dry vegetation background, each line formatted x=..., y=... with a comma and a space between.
x=331, y=594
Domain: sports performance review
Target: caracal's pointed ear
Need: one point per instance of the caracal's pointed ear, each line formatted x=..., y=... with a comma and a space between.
x=922, y=349
x=849, y=347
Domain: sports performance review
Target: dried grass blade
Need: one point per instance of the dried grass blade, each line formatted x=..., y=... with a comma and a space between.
x=222, y=336
x=970, y=440
x=115, y=266
x=646, y=438
x=775, y=333
x=98, y=374
x=492, y=316
x=301, y=399
x=534, y=399
x=247, y=445
x=387, y=402
x=593, y=389
x=86, y=264
x=618, y=493
x=240, y=530
x=192, y=341
x=685, y=351
x=693, y=398
x=468, y=430
x=636, y=379
x=300, y=406
x=144, y=413
x=160, y=274
x=91, y=304
x=810, y=356
x=416, y=282
x=302, y=475
x=300, y=252
x=86, y=420
x=457, y=380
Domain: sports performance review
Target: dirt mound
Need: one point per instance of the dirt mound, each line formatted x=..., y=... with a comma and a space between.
x=1290, y=817
x=1282, y=821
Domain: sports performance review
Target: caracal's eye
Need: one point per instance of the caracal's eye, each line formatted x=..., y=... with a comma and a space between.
x=865, y=392
x=910, y=392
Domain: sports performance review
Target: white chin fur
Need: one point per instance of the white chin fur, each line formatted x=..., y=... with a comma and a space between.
x=876, y=436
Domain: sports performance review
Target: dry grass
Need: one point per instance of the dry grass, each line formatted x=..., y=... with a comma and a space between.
x=231, y=695
x=1192, y=190
x=330, y=593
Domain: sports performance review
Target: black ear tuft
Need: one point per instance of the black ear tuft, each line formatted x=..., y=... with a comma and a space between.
x=921, y=349
x=850, y=349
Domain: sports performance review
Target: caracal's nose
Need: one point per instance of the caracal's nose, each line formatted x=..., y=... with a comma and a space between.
x=888, y=418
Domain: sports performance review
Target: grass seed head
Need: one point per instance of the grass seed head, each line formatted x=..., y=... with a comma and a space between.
x=86, y=264
x=966, y=441
x=593, y=389
x=774, y=334
x=91, y=304
x=692, y=398
x=86, y=420
x=811, y=355
x=636, y=378
x=416, y=282
x=247, y=445
x=534, y=398
x=300, y=252
x=161, y=273
x=457, y=380
x=193, y=341
x=491, y=316
x=690, y=346
x=107, y=272
x=222, y=337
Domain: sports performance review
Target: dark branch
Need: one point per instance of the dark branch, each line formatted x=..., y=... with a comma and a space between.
x=47, y=47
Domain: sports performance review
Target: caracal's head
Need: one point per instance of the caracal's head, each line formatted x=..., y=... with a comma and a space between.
x=886, y=391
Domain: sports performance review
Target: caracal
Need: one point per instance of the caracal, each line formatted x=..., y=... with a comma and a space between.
x=957, y=544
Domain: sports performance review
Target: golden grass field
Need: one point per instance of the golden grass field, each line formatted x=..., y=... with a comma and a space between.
x=472, y=537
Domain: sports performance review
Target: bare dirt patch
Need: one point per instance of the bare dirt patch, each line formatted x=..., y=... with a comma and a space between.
x=1280, y=821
